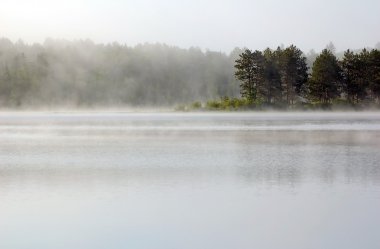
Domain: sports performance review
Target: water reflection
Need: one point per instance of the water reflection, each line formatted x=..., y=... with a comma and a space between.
x=189, y=181
x=292, y=157
x=337, y=147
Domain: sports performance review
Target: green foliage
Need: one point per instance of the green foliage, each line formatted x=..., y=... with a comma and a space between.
x=196, y=105
x=272, y=76
x=293, y=71
x=81, y=73
x=373, y=73
x=227, y=104
x=250, y=71
x=280, y=79
x=213, y=105
x=353, y=73
x=271, y=90
x=325, y=79
x=361, y=76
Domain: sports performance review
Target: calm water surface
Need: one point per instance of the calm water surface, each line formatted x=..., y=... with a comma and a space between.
x=196, y=181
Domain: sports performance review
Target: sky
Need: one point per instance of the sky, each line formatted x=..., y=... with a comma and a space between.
x=219, y=25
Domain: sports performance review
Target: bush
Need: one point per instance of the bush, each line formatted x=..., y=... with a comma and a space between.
x=227, y=103
x=196, y=105
x=213, y=105
x=224, y=104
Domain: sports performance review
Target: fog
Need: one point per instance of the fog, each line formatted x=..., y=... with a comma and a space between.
x=60, y=73
x=149, y=54
x=189, y=124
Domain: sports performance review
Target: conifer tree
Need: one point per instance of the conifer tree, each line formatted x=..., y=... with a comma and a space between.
x=250, y=71
x=272, y=79
x=374, y=72
x=293, y=72
x=325, y=79
x=353, y=72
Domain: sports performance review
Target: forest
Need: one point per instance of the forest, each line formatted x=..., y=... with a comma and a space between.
x=61, y=73
x=281, y=78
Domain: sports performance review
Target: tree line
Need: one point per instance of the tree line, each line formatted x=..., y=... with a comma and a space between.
x=61, y=73
x=282, y=78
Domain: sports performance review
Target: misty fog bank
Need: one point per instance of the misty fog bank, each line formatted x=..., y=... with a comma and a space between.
x=66, y=75
x=70, y=74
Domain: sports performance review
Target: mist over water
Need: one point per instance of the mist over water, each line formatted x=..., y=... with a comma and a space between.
x=187, y=124
x=173, y=180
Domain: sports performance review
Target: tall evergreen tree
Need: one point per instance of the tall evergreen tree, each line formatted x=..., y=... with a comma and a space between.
x=326, y=78
x=364, y=57
x=272, y=79
x=374, y=72
x=353, y=72
x=250, y=71
x=293, y=69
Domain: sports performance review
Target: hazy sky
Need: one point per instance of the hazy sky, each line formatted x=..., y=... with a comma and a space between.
x=213, y=24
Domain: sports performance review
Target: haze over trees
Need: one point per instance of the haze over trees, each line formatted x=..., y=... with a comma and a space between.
x=60, y=73
x=81, y=73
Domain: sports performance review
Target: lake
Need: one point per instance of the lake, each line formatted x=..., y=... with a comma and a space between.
x=189, y=180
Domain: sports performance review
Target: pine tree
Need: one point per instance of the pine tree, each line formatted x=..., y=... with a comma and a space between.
x=324, y=84
x=374, y=72
x=293, y=69
x=272, y=79
x=250, y=71
x=353, y=76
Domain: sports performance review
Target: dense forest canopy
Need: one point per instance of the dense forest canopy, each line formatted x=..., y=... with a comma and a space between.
x=280, y=78
x=82, y=73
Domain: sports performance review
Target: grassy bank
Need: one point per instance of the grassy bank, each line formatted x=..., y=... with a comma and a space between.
x=241, y=104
